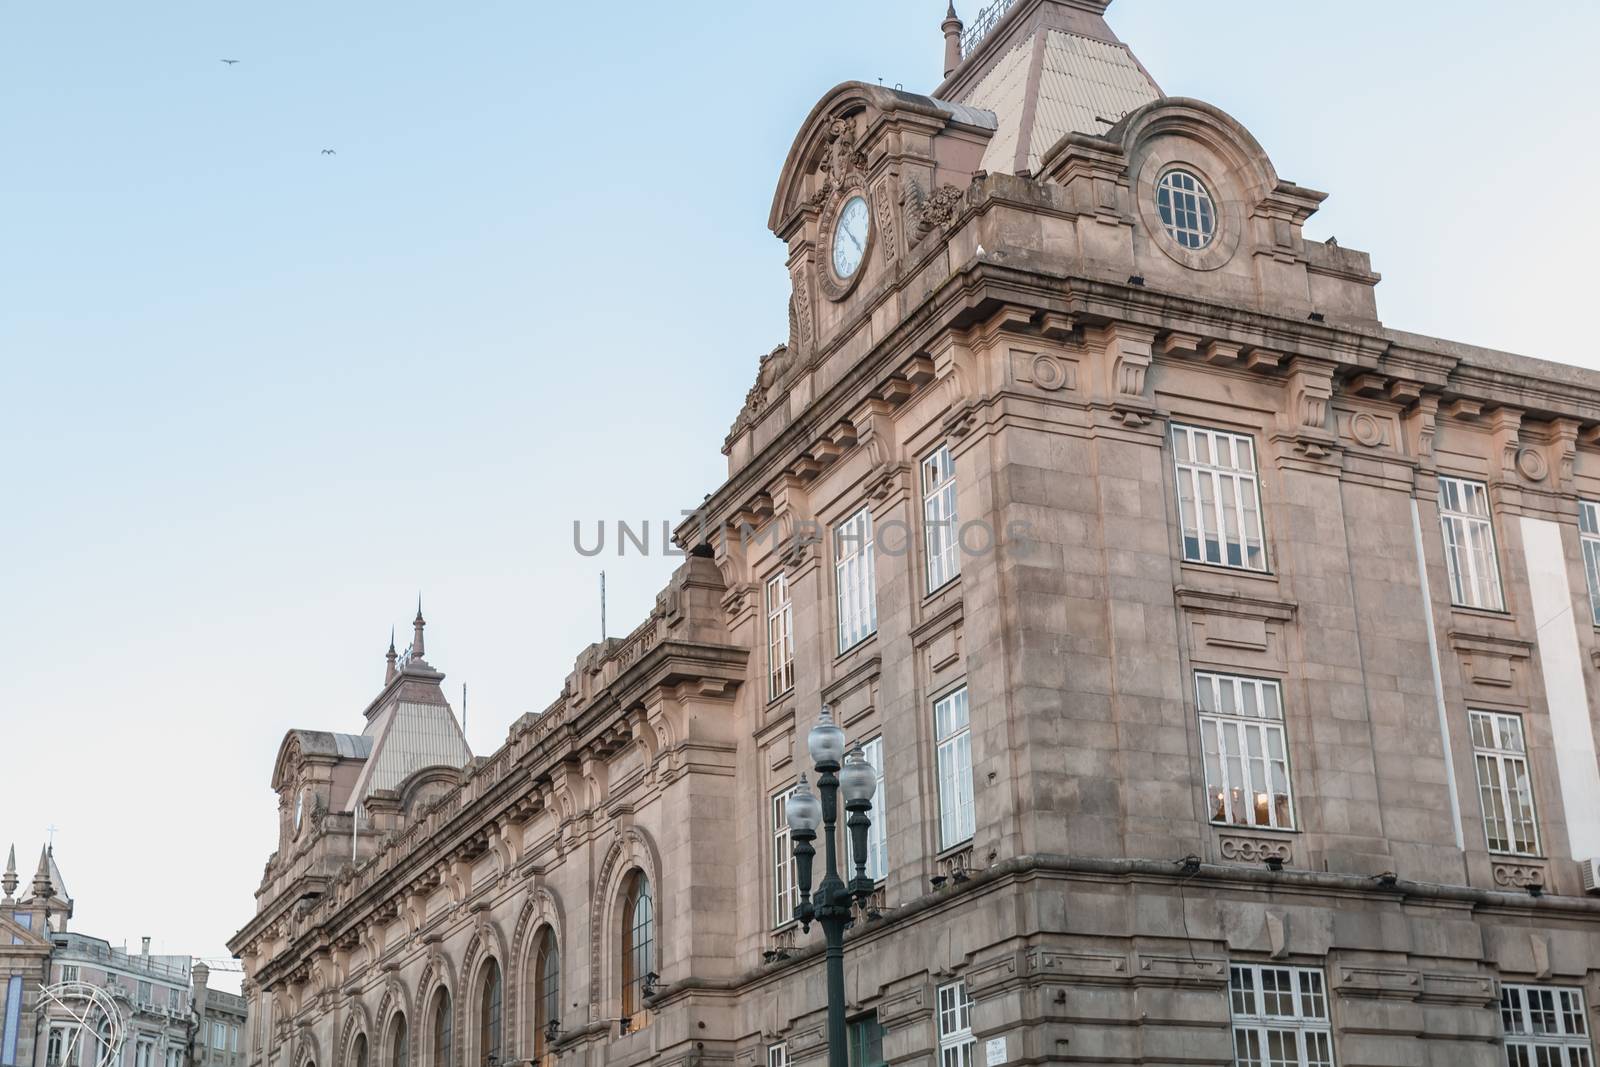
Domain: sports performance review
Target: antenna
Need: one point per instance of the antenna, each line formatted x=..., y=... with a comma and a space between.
x=602, y=605
x=463, y=707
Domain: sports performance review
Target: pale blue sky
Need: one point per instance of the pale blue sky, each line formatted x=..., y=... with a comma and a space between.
x=256, y=397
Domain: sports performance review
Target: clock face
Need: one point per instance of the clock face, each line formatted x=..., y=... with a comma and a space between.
x=850, y=237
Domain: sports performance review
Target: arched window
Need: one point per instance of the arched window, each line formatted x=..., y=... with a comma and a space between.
x=399, y=1043
x=443, y=1036
x=546, y=994
x=489, y=1016
x=358, y=1051
x=638, y=947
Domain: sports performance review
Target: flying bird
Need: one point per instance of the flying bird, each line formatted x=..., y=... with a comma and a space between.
x=230, y=62
x=329, y=152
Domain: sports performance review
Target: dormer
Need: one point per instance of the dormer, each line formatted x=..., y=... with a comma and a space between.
x=854, y=197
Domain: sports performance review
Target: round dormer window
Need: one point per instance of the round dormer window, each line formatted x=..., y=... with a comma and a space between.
x=1186, y=209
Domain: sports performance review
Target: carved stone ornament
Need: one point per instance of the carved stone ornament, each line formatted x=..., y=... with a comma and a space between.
x=1049, y=373
x=927, y=212
x=840, y=158
x=883, y=212
x=1239, y=849
x=1531, y=464
x=1366, y=429
x=1519, y=875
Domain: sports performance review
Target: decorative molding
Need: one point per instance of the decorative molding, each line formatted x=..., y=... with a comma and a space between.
x=883, y=211
x=1238, y=848
x=1086, y=967
x=1519, y=874
x=1174, y=970
x=1377, y=982
x=1487, y=660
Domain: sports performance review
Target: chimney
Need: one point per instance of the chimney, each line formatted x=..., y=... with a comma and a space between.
x=952, y=40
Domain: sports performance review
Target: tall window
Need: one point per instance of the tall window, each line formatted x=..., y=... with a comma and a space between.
x=546, y=995
x=489, y=1016
x=233, y=1043
x=853, y=577
x=939, y=530
x=1589, y=534
x=864, y=1041
x=878, y=832
x=219, y=1036
x=359, y=1053
x=1544, y=1026
x=1501, y=754
x=443, y=1030
x=957, y=1046
x=1280, y=1017
x=778, y=1055
x=953, y=735
x=1246, y=756
x=638, y=946
x=399, y=1043
x=785, y=877
x=69, y=972
x=1219, y=498
x=1469, y=544
x=780, y=636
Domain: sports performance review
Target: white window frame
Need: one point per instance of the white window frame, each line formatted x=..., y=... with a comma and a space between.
x=1259, y=1020
x=878, y=832
x=1505, y=781
x=778, y=1055
x=780, y=636
x=1245, y=751
x=1589, y=538
x=219, y=1036
x=1471, y=559
x=940, y=533
x=785, y=897
x=854, y=579
x=1217, y=522
x=233, y=1037
x=953, y=760
x=69, y=972
x=1186, y=209
x=1550, y=1018
x=958, y=1047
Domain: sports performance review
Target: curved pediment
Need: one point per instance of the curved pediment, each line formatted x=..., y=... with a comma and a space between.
x=824, y=149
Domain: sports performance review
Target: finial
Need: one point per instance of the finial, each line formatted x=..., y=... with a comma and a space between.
x=391, y=656
x=41, y=878
x=9, y=881
x=417, y=624
x=952, y=40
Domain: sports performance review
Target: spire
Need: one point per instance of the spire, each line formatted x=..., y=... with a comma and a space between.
x=42, y=890
x=391, y=656
x=416, y=625
x=952, y=39
x=9, y=882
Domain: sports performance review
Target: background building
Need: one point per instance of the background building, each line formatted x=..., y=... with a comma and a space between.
x=25, y=927
x=1226, y=656
x=219, y=1020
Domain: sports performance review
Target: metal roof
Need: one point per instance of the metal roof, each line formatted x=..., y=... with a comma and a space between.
x=1074, y=83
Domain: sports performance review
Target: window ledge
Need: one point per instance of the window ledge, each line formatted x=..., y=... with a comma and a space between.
x=1227, y=568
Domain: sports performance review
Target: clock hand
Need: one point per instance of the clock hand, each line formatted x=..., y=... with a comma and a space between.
x=853, y=240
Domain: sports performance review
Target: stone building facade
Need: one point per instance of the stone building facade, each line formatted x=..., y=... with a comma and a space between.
x=219, y=1024
x=1228, y=658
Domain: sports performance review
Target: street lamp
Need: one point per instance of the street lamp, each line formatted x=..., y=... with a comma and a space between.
x=849, y=772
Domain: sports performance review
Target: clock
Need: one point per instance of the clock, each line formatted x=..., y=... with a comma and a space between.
x=850, y=235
